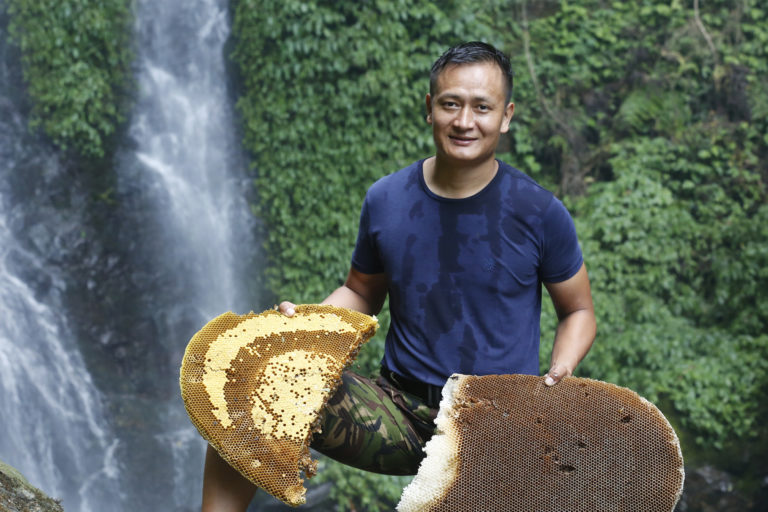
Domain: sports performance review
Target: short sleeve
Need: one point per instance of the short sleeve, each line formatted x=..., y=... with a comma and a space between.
x=561, y=252
x=365, y=257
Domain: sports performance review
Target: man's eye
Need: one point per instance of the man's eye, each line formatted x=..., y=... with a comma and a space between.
x=483, y=108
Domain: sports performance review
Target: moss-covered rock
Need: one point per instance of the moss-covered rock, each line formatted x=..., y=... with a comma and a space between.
x=18, y=495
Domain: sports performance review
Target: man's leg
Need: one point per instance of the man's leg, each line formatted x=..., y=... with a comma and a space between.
x=224, y=488
x=364, y=428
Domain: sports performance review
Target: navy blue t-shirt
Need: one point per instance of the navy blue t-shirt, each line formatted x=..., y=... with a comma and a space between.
x=464, y=274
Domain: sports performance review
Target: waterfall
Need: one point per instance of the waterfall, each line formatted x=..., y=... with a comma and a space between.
x=184, y=155
x=49, y=404
x=105, y=274
x=52, y=423
x=187, y=146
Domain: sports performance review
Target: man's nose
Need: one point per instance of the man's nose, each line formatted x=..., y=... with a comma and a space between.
x=465, y=119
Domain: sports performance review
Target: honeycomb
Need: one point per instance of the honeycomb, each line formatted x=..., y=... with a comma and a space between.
x=254, y=386
x=509, y=442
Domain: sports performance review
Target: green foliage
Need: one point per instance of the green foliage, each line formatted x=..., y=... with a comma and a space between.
x=648, y=118
x=663, y=136
x=680, y=305
x=360, y=491
x=76, y=57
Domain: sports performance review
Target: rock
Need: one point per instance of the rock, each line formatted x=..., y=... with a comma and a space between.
x=17, y=495
x=708, y=489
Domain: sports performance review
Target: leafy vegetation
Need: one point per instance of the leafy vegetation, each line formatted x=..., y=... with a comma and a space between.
x=647, y=122
x=76, y=56
x=648, y=118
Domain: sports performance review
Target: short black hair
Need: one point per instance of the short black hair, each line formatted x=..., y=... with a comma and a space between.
x=469, y=53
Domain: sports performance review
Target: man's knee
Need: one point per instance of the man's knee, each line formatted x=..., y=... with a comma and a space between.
x=362, y=427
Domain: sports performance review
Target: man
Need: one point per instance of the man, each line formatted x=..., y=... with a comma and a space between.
x=461, y=242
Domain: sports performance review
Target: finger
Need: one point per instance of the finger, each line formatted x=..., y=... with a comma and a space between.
x=287, y=308
x=554, y=375
x=551, y=378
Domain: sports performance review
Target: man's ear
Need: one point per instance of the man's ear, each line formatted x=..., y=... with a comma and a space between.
x=508, y=113
x=429, y=109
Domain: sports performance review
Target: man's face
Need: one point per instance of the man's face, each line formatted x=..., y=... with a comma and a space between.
x=469, y=112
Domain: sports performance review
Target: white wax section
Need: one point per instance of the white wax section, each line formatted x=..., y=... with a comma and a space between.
x=439, y=468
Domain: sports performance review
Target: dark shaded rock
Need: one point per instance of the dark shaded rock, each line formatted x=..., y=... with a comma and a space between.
x=17, y=495
x=708, y=489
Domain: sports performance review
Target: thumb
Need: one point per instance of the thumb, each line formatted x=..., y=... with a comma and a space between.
x=287, y=308
x=555, y=374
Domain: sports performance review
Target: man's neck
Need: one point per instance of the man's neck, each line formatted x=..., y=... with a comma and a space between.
x=458, y=181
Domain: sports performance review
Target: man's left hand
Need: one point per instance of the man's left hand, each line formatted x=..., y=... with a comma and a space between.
x=556, y=374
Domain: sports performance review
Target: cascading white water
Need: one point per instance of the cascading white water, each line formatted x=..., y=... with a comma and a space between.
x=183, y=254
x=52, y=425
x=191, y=170
x=183, y=127
x=50, y=406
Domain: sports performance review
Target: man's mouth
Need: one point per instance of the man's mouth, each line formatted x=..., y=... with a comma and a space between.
x=461, y=140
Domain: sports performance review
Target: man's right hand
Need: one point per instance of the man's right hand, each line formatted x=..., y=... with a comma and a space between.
x=361, y=292
x=287, y=308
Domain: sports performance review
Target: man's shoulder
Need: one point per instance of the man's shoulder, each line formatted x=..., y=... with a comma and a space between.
x=519, y=176
x=400, y=181
x=523, y=188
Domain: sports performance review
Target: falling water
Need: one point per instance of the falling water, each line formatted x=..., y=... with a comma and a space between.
x=184, y=131
x=186, y=159
x=49, y=404
x=94, y=323
x=52, y=422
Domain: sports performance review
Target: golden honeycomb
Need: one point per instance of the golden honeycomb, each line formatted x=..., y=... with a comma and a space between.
x=509, y=442
x=254, y=386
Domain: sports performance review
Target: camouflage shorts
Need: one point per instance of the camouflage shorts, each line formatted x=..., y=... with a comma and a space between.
x=374, y=426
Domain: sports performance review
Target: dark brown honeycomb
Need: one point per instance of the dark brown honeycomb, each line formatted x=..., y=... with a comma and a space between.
x=254, y=386
x=508, y=442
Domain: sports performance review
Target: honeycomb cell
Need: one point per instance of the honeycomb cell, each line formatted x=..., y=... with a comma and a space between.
x=254, y=386
x=509, y=442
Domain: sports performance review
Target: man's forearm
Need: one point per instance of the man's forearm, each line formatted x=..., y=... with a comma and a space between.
x=576, y=326
x=573, y=339
x=362, y=292
x=345, y=297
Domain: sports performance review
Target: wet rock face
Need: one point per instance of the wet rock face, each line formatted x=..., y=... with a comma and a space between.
x=17, y=495
x=75, y=242
x=72, y=253
x=708, y=489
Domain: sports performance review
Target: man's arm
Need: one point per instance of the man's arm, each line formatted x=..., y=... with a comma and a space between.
x=362, y=292
x=576, y=325
x=224, y=488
